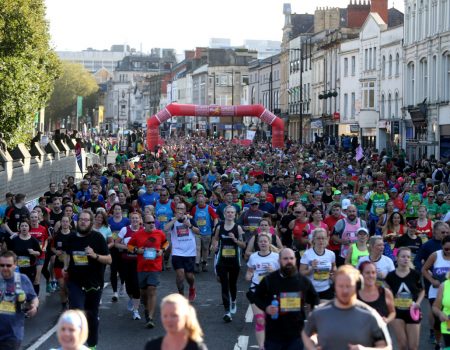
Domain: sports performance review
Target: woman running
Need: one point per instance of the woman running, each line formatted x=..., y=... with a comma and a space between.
x=383, y=264
x=264, y=227
x=358, y=249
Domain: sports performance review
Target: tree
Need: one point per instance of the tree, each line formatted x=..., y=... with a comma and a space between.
x=74, y=81
x=28, y=67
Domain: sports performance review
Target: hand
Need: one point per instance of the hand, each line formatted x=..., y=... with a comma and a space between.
x=443, y=317
x=90, y=252
x=231, y=235
x=32, y=311
x=140, y=251
x=436, y=283
x=160, y=252
x=272, y=310
x=314, y=264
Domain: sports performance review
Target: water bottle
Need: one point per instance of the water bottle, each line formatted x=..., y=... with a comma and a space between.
x=275, y=303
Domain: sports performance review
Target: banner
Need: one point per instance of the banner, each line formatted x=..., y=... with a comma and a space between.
x=100, y=113
x=359, y=153
x=250, y=134
x=79, y=106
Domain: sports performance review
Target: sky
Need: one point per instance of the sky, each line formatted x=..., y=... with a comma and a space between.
x=76, y=25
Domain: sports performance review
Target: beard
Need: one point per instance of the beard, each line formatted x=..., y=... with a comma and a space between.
x=288, y=270
x=84, y=231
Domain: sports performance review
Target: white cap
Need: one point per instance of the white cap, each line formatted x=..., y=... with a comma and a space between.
x=346, y=203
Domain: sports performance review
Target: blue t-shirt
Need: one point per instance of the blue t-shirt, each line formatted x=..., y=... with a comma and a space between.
x=12, y=325
x=148, y=199
x=117, y=226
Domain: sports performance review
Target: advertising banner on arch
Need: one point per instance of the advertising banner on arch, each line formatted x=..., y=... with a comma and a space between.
x=250, y=134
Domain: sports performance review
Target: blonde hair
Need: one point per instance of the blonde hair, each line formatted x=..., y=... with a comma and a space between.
x=77, y=319
x=192, y=326
x=316, y=231
x=272, y=248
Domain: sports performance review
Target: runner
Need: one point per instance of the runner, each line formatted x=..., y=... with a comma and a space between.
x=227, y=243
x=383, y=264
x=264, y=227
x=182, y=229
x=41, y=234
x=358, y=249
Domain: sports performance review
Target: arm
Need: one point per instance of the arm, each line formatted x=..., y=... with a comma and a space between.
x=249, y=274
x=426, y=270
x=308, y=343
x=249, y=249
x=437, y=305
x=348, y=258
x=305, y=269
x=390, y=305
x=215, y=240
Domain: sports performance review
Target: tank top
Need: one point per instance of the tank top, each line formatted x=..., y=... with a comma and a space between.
x=446, y=306
x=439, y=270
x=163, y=212
x=203, y=220
x=379, y=304
x=126, y=254
x=425, y=232
x=229, y=254
x=357, y=254
x=350, y=234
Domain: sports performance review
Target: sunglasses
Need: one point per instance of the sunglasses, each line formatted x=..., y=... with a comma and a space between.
x=299, y=212
x=6, y=265
x=150, y=222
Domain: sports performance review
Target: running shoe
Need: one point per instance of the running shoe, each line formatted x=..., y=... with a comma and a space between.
x=115, y=297
x=227, y=317
x=204, y=267
x=192, y=294
x=93, y=347
x=136, y=315
x=49, y=288
x=130, y=305
x=150, y=323
x=233, y=307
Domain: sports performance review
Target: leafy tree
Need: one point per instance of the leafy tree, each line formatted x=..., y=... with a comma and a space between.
x=74, y=81
x=28, y=67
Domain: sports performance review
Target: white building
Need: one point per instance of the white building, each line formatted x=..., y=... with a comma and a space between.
x=427, y=77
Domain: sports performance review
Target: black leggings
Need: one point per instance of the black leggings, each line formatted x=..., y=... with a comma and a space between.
x=115, y=268
x=228, y=279
x=129, y=272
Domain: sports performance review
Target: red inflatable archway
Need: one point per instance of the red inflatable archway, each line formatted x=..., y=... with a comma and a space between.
x=174, y=110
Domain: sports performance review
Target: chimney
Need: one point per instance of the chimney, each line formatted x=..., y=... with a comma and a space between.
x=380, y=7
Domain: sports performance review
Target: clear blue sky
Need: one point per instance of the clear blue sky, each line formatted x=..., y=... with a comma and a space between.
x=179, y=24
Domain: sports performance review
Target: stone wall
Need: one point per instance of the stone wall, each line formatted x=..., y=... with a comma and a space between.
x=22, y=172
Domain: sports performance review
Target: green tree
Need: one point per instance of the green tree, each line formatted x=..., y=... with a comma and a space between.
x=28, y=67
x=74, y=81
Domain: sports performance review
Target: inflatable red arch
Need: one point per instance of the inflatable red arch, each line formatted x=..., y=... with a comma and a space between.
x=175, y=110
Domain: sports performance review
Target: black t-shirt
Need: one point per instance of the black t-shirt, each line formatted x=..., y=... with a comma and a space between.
x=55, y=217
x=93, y=206
x=155, y=344
x=413, y=244
x=83, y=270
x=126, y=209
x=50, y=196
x=14, y=216
x=20, y=247
x=407, y=287
x=286, y=237
x=292, y=294
x=60, y=242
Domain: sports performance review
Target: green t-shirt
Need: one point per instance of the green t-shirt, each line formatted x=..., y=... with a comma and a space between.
x=433, y=209
x=361, y=209
x=444, y=209
x=378, y=203
x=412, y=205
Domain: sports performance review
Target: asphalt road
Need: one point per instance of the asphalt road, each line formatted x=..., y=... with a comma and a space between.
x=118, y=330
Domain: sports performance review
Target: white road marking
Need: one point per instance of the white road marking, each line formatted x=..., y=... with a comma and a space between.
x=51, y=331
x=242, y=343
x=249, y=315
x=42, y=339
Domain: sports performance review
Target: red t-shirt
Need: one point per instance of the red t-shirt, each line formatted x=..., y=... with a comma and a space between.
x=155, y=239
x=330, y=220
x=41, y=234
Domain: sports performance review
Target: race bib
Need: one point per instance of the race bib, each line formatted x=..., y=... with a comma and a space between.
x=80, y=258
x=7, y=307
x=162, y=218
x=149, y=254
x=252, y=228
x=228, y=252
x=23, y=261
x=321, y=275
x=290, y=302
x=402, y=303
x=201, y=222
x=115, y=235
x=379, y=210
x=424, y=238
x=279, y=200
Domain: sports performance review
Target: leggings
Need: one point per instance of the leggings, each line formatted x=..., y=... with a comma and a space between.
x=115, y=268
x=228, y=279
x=129, y=272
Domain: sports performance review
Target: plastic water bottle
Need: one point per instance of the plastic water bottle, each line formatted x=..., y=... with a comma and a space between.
x=275, y=303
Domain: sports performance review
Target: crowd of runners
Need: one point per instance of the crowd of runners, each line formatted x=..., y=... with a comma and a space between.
x=295, y=220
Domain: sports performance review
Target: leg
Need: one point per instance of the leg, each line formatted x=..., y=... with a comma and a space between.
x=37, y=279
x=151, y=300
x=91, y=305
x=76, y=296
x=114, y=266
x=225, y=284
x=206, y=242
x=260, y=325
x=198, y=245
x=399, y=327
x=180, y=280
x=190, y=279
x=413, y=332
x=233, y=277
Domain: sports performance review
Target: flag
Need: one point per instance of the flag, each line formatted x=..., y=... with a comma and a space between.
x=359, y=153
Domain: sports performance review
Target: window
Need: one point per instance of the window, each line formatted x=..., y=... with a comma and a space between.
x=446, y=73
x=410, y=81
x=353, y=105
x=383, y=67
x=390, y=66
x=423, y=78
x=368, y=89
x=397, y=64
x=353, y=66
x=389, y=106
x=374, y=61
x=434, y=79
x=396, y=111
x=345, y=106
x=370, y=58
x=345, y=67
x=382, y=111
x=366, y=59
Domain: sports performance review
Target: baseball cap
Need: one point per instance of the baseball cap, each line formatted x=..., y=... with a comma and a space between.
x=254, y=200
x=412, y=223
x=346, y=203
x=440, y=193
x=393, y=189
x=337, y=192
x=362, y=229
x=110, y=192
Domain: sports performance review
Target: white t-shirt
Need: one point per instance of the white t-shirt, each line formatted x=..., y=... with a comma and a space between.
x=123, y=232
x=261, y=265
x=384, y=264
x=182, y=240
x=320, y=277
